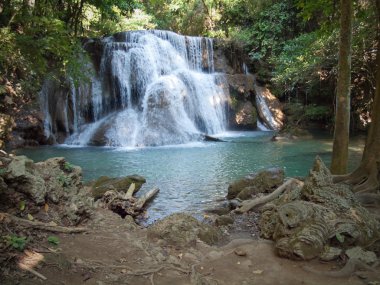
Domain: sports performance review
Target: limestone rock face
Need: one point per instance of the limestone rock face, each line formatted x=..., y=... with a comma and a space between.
x=182, y=230
x=246, y=116
x=306, y=220
x=51, y=190
x=20, y=174
x=264, y=181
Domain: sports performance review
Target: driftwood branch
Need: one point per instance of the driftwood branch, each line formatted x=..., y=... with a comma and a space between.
x=145, y=198
x=251, y=204
x=34, y=272
x=5, y=217
x=130, y=191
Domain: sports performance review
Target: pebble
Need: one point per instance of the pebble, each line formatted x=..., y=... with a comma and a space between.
x=240, y=252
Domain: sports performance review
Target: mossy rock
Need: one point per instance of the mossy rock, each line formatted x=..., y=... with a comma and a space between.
x=264, y=181
x=224, y=220
x=183, y=230
x=105, y=183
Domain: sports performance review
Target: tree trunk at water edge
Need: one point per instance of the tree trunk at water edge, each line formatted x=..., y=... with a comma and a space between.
x=342, y=111
x=366, y=177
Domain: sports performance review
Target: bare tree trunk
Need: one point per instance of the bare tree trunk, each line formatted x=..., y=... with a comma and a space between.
x=366, y=177
x=342, y=113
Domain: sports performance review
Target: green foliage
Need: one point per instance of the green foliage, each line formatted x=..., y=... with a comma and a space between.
x=64, y=180
x=186, y=17
x=314, y=112
x=16, y=242
x=339, y=237
x=53, y=240
x=304, y=59
x=22, y=205
x=324, y=9
x=268, y=28
x=68, y=166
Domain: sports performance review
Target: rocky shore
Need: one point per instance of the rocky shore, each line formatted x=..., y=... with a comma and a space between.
x=56, y=230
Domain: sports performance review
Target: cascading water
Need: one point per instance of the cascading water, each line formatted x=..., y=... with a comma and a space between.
x=152, y=88
x=269, y=121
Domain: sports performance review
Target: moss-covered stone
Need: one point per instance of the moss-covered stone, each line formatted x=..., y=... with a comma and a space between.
x=183, y=230
x=224, y=220
x=105, y=183
x=263, y=181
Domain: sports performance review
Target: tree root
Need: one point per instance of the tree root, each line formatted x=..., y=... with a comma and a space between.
x=368, y=199
x=152, y=279
x=348, y=270
x=251, y=204
x=364, y=179
x=8, y=218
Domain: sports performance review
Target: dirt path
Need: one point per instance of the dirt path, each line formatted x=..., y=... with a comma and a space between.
x=117, y=251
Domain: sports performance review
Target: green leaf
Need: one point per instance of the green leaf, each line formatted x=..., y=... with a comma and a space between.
x=53, y=240
x=340, y=237
x=22, y=205
x=16, y=242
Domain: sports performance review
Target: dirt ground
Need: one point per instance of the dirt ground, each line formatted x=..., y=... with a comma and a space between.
x=117, y=251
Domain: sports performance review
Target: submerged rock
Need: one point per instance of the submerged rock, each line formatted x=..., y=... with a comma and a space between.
x=105, y=183
x=264, y=181
x=304, y=221
x=183, y=230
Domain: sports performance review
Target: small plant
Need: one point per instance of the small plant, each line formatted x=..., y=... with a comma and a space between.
x=53, y=240
x=22, y=205
x=339, y=237
x=16, y=242
x=63, y=179
x=68, y=166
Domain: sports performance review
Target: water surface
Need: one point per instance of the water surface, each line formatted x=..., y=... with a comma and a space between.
x=194, y=176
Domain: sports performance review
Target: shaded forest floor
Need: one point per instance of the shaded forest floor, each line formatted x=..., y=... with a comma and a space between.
x=117, y=251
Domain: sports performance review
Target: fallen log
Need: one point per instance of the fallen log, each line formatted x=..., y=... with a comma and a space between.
x=254, y=203
x=7, y=218
x=145, y=198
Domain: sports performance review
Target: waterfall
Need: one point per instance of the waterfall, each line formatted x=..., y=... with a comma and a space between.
x=269, y=120
x=151, y=88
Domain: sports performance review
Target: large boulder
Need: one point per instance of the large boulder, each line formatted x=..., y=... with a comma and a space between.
x=264, y=181
x=51, y=190
x=182, y=230
x=105, y=183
